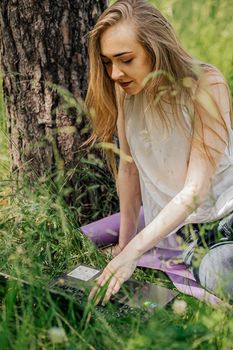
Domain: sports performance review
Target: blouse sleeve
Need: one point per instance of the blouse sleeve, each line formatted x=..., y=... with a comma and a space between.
x=213, y=114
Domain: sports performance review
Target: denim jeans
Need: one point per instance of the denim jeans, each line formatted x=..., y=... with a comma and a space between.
x=208, y=254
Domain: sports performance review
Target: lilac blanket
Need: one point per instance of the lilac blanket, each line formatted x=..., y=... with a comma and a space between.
x=106, y=230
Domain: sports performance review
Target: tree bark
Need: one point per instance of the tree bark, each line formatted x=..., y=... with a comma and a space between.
x=43, y=45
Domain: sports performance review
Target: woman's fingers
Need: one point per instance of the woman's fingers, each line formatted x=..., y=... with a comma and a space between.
x=98, y=300
x=113, y=288
x=117, y=287
x=114, y=275
x=110, y=289
x=93, y=293
x=100, y=282
x=96, y=288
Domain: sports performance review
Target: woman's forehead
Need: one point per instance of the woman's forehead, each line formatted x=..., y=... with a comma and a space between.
x=118, y=39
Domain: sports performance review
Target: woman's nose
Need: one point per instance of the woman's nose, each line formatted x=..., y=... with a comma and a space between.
x=116, y=73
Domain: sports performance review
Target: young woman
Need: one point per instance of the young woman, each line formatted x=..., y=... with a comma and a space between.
x=173, y=118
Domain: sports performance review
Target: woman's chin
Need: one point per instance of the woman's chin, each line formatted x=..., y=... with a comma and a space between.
x=133, y=91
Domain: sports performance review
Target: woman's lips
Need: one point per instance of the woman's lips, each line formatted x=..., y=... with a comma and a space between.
x=126, y=84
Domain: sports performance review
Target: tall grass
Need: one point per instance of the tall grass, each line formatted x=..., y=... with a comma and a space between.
x=4, y=144
x=204, y=27
x=40, y=238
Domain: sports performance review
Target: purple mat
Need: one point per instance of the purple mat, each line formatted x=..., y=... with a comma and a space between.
x=106, y=230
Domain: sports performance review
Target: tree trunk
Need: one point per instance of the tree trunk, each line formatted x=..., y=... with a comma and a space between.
x=43, y=43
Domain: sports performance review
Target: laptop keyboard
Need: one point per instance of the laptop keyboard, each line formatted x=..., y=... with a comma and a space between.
x=78, y=294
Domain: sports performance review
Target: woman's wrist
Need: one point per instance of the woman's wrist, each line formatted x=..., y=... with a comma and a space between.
x=131, y=250
x=140, y=244
x=124, y=241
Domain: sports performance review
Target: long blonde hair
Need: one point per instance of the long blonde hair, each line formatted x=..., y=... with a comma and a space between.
x=178, y=70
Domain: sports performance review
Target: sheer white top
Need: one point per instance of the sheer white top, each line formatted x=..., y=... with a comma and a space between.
x=162, y=161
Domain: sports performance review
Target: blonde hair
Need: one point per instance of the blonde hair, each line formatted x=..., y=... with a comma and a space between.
x=171, y=63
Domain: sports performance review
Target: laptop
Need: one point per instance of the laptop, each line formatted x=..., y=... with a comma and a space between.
x=133, y=293
x=77, y=283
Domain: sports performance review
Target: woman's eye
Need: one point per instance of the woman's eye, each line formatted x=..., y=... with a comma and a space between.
x=128, y=61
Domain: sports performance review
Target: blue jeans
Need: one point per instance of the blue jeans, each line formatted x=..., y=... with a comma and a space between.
x=209, y=255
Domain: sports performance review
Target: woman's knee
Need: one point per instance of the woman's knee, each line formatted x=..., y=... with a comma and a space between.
x=216, y=271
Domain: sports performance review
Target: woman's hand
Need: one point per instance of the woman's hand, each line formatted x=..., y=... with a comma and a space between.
x=119, y=270
x=112, y=251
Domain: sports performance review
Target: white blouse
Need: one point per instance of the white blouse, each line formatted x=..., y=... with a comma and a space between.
x=162, y=162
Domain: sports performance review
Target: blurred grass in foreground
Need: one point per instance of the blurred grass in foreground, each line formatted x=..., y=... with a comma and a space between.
x=39, y=239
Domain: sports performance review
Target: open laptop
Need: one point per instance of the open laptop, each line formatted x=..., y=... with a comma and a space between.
x=132, y=293
x=77, y=284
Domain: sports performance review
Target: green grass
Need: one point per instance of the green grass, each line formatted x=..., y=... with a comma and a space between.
x=4, y=144
x=40, y=238
x=204, y=28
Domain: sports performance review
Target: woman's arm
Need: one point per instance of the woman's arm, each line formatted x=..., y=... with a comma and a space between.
x=128, y=184
x=130, y=202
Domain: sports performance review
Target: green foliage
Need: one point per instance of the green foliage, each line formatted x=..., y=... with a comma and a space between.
x=204, y=28
x=39, y=239
x=4, y=144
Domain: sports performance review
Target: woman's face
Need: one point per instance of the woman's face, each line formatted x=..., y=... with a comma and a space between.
x=125, y=59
